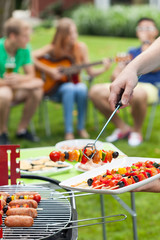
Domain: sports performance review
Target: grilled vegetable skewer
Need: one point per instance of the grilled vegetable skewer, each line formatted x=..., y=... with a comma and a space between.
x=77, y=155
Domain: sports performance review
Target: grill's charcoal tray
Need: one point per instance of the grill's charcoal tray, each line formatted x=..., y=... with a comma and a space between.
x=54, y=214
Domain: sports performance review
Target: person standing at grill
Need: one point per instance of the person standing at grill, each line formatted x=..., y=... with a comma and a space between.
x=66, y=45
x=145, y=93
x=16, y=87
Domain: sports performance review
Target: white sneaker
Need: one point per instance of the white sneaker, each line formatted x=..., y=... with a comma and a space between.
x=116, y=135
x=135, y=139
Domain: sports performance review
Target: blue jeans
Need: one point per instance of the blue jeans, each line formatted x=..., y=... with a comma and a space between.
x=68, y=94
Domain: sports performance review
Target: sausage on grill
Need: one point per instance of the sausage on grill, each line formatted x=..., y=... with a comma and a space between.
x=31, y=203
x=25, y=193
x=18, y=221
x=22, y=211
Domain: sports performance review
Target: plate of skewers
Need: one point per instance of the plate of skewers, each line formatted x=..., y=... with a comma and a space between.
x=116, y=177
x=76, y=144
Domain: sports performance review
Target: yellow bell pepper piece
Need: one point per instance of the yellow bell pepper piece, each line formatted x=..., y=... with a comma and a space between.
x=122, y=170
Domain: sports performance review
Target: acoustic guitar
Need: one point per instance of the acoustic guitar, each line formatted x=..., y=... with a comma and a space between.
x=69, y=71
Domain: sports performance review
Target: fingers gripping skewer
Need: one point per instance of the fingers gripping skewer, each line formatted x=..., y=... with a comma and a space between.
x=92, y=146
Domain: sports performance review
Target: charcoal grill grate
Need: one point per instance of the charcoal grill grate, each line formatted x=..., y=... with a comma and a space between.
x=54, y=214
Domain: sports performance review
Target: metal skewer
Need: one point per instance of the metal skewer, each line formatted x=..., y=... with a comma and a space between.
x=93, y=145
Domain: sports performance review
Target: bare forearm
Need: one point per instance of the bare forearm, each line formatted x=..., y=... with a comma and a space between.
x=26, y=77
x=150, y=187
x=95, y=72
x=148, y=61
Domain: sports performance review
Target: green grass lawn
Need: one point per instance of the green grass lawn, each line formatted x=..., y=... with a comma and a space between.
x=147, y=204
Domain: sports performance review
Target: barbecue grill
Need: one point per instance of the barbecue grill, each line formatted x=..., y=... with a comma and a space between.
x=57, y=215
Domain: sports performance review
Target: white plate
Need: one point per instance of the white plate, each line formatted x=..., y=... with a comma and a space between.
x=89, y=166
x=52, y=170
x=76, y=143
x=116, y=163
x=86, y=167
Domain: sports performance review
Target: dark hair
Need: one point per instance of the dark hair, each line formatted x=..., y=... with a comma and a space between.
x=147, y=19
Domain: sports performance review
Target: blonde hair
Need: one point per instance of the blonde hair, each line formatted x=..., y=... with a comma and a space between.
x=16, y=26
x=59, y=40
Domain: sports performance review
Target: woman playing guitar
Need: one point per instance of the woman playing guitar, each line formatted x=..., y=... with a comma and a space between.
x=64, y=52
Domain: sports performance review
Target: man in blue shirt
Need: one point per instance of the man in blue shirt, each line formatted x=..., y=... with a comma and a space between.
x=145, y=92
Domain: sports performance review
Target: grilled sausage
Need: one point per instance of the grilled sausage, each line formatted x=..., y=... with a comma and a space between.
x=31, y=203
x=22, y=211
x=18, y=221
x=25, y=193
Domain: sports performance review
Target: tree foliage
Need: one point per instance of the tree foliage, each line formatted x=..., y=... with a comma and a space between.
x=6, y=9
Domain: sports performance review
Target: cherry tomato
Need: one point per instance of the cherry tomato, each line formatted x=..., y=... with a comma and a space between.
x=54, y=156
x=37, y=198
x=84, y=160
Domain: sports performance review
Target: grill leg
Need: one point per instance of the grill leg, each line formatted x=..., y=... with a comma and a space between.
x=134, y=217
x=103, y=214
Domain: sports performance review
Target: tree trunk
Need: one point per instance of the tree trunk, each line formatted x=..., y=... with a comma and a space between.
x=6, y=9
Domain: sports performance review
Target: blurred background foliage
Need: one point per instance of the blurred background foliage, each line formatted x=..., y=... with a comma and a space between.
x=118, y=20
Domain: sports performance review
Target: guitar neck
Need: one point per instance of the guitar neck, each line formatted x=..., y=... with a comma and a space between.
x=77, y=68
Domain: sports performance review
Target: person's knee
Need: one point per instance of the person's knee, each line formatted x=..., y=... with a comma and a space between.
x=139, y=96
x=99, y=92
x=6, y=95
x=93, y=92
x=82, y=91
x=67, y=91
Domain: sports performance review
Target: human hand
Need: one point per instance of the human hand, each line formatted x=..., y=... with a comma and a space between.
x=150, y=187
x=12, y=79
x=56, y=74
x=107, y=63
x=126, y=80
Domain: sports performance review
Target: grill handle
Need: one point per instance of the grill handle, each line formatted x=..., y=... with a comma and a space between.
x=51, y=180
x=48, y=179
x=121, y=217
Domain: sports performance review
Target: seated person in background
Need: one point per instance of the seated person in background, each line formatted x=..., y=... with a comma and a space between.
x=15, y=87
x=66, y=45
x=145, y=92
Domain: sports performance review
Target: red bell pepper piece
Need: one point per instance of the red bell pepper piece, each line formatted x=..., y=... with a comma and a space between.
x=149, y=171
x=140, y=177
x=84, y=159
x=145, y=174
x=125, y=182
x=108, y=172
x=149, y=164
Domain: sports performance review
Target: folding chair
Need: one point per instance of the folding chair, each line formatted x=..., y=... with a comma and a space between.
x=152, y=115
x=31, y=124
